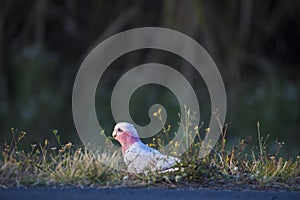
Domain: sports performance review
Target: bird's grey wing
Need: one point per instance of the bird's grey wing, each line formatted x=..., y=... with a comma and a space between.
x=143, y=158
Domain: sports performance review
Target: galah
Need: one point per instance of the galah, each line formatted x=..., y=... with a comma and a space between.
x=137, y=156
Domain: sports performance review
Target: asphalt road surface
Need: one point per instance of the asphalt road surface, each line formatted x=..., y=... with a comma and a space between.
x=140, y=193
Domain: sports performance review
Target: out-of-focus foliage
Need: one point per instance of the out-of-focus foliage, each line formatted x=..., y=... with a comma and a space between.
x=254, y=43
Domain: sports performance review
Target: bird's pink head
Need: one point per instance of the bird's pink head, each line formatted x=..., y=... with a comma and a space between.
x=125, y=134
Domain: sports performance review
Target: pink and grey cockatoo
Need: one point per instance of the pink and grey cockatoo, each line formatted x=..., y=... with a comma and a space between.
x=137, y=156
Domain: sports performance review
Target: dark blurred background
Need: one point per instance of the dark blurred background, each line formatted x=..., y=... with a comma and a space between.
x=254, y=43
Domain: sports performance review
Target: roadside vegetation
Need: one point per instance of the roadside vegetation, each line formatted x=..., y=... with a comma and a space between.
x=234, y=167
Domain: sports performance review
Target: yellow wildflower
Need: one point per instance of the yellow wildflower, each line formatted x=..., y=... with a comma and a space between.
x=69, y=145
x=151, y=145
x=46, y=142
x=159, y=111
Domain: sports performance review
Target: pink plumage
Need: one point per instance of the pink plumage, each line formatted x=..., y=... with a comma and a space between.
x=137, y=156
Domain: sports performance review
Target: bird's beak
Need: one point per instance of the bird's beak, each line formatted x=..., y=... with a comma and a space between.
x=114, y=134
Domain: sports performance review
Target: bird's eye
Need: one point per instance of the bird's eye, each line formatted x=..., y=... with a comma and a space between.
x=119, y=130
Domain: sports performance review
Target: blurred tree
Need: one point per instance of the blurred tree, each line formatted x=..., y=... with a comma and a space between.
x=254, y=43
